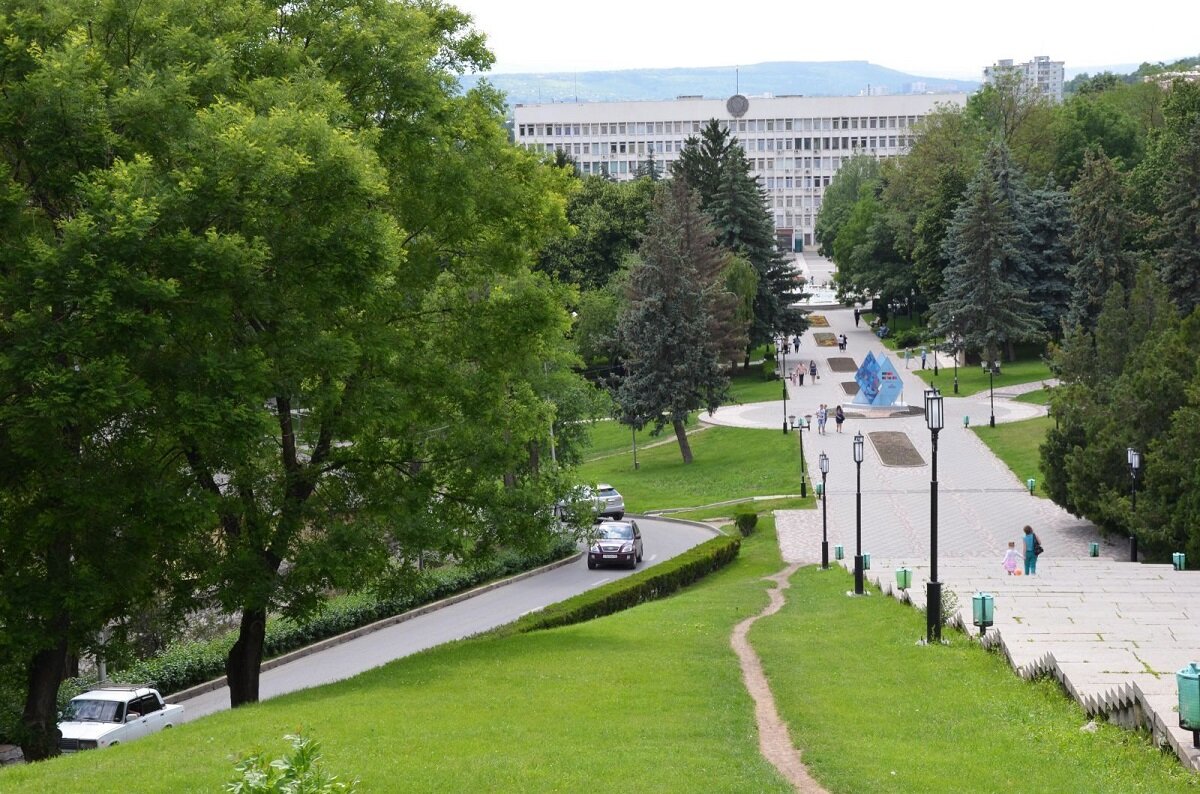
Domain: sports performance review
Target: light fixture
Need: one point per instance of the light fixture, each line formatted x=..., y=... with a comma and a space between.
x=983, y=606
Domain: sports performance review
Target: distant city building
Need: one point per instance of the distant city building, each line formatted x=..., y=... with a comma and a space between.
x=1041, y=74
x=794, y=144
x=919, y=87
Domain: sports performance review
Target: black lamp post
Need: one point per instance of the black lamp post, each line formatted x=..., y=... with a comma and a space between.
x=935, y=420
x=858, y=558
x=823, y=462
x=801, y=423
x=1134, y=459
x=935, y=358
x=782, y=360
x=992, y=392
x=954, y=352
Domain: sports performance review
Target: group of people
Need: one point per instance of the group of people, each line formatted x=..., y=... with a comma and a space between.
x=798, y=372
x=839, y=416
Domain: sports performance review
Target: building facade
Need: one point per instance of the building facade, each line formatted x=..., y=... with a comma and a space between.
x=1041, y=74
x=794, y=144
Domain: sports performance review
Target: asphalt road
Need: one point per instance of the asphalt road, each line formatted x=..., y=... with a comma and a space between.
x=662, y=540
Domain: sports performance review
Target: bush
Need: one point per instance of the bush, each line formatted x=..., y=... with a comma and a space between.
x=746, y=522
x=768, y=369
x=909, y=337
x=655, y=582
x=187, y=664
x=293, y=773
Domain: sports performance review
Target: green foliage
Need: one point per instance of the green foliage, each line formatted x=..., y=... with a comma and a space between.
x=657, y=581
x=858, y=177
x=607, y=220
x=296, y=772
x=675, y=327
x=746, y=522
x=1103, y=223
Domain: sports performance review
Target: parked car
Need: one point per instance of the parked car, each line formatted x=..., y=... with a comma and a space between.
x=615, y=543
x=114, y=715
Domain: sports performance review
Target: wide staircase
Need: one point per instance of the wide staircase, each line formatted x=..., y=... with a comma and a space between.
x=1113, y=633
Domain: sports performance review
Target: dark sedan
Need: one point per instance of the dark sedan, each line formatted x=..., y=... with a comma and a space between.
x=616, y=543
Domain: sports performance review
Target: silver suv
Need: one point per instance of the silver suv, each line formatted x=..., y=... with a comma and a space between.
x=609, y=503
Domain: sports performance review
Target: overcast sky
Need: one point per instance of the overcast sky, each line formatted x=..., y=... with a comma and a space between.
x=933, y=38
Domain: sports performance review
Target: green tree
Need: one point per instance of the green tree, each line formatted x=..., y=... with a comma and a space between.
x=677, y=297
x=608, y=219
x=650, y=168
x=837, y=202
x=1048, y=221
x=700, y=163
x=1102, y=223
x=985, y=300
x=1176, y=232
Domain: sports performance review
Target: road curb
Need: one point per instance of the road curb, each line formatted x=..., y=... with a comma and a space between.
x=370, y=628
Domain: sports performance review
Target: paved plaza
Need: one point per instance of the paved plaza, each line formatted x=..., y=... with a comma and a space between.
x=1112, y=631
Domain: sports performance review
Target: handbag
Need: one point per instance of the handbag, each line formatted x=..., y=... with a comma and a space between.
x=1037, y=546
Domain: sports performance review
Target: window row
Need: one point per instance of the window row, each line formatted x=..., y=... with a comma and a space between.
x=738, y=125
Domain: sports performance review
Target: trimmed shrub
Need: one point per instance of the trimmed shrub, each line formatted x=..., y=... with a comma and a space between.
x=909, y=337
x=655, y=582
x=746, y=522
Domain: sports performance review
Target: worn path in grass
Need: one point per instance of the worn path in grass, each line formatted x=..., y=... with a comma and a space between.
x=773, y=740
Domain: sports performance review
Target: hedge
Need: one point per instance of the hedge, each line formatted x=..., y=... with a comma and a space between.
x=186, y=664
x=657, y=581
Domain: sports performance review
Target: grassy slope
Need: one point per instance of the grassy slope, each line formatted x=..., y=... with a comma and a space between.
x=609, y=437
x=874, y=712
x=1039, y=397
x=974, y=379
x=1016, y=443
x=748, y=386
x=728, y=463
x=647, y=700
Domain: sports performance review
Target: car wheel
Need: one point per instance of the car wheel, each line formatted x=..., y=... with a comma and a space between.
x=633, y=563
x=639, y=557
x=591, y=565
x=618, y=516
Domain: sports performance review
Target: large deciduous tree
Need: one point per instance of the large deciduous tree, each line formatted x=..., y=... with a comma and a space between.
x=672, y=327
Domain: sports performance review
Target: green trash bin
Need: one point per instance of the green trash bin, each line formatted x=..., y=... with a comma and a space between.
x=903, y=578
x=866, y=561
x=1179, y=561
x=1188, y=681
x=839, y=553
x=1093, y=549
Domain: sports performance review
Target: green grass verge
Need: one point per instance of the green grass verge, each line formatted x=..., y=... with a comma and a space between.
x=610, y=437
x=748, y=386
x=1039, y=397
x=874, y=712
x=1016, y=443
x=974, y=379
x=650, y=699
x=760, y=506
x=729, y=463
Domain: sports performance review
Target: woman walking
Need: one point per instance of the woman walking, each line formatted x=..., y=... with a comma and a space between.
x=1031, y=549
x=839, y=416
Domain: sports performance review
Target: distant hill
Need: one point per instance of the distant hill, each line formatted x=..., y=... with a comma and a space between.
x=828, y=78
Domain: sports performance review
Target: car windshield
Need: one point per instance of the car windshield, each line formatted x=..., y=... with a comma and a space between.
x=616, y=531
x=608, y=492
x=92, y=711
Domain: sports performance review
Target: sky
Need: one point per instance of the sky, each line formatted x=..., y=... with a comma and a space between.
x=931, y=38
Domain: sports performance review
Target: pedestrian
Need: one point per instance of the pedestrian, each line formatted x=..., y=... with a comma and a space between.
x=796, y=344
x=839, y=416
x=922, y=358
x=1033, y=547
x=822, y=418
x=812, y=371
x=857, y=315
x=1011, y=558
x=798, y=373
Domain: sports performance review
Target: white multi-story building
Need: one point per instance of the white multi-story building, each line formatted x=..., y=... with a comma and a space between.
x=1041, y=74
x=794, y=144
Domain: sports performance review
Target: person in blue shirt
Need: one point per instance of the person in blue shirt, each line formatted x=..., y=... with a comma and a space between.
x=1030, y=552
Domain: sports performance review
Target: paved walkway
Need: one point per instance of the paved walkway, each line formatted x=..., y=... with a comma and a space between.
x=982, y=506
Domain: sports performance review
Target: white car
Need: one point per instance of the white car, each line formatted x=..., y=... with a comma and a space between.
x=114, y=715
x=604, y=502
x=609, y=503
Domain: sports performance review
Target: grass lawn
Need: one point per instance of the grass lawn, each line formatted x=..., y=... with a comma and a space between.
x=748, y=386
x=646, y=700
x=761, y=506
x=1039, y=397
x=874, y=712
x=729, y=463
x=1016, y=443
x=973, y=378
x=610, y=437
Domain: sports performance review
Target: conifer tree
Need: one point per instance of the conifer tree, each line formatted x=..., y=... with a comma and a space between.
x=678, y=308
x=984, y=299
x=649, y=168
x=1177, y=232
x=700, y=162
x=1049, y=227
x=1098, y=243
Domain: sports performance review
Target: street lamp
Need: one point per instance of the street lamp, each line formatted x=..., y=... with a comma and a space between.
x=954, y=352
x=801, y=423
x=1134, y=458
x=935, y=420
x=823, y=462
x=858, y=558
x=935, y=358
x=992, y=367
x=781, y=361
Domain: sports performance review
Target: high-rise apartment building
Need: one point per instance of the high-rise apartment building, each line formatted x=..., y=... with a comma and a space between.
x=1041, y=74
x=794, y=144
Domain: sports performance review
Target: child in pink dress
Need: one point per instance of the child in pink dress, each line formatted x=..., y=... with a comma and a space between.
x=1011, y=558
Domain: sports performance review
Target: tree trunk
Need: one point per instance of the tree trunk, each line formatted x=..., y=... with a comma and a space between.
x=244, y=663
x=681, y=435
x=1010, y=351
x=39, y=721
x=746, y=361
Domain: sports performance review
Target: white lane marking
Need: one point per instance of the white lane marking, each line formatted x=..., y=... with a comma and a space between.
x=653, y=557
x=530, y=611
x=599, y=582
